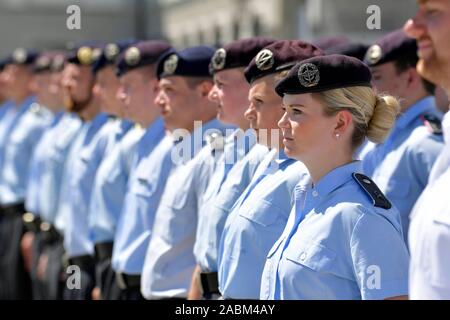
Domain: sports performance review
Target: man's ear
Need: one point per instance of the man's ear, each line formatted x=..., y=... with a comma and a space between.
x=413, y=78
x=204, y=88
x=154, y=84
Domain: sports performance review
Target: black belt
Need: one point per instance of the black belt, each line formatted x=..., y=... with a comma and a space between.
x=13, y=209
x=49, y=233
x=127, y=281
x=209, y=282
x=32, y=222
x=103, y=251
x=85, y=262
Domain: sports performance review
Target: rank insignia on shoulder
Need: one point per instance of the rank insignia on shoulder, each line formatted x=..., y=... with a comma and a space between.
x=432, y=123
x=372, y=190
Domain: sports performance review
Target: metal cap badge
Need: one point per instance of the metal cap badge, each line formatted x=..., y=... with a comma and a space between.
x=373, y=54
x=264, y=60
x=219, y=59
x=132, y=56
x=171, y=63
x=85, y=55
x=19, y=55
x=111, y=51
x=308, y=75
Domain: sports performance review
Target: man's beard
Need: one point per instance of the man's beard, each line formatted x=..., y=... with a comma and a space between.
x=73, y=105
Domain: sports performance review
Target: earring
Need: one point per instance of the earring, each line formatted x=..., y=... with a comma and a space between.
x=337, y=135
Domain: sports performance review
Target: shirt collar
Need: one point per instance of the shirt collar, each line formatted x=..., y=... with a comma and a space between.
x=26, y=104
x=336, y=177
x=154, y=128
x=422, y=106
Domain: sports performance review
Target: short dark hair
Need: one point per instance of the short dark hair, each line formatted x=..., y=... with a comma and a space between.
x=410, y=61
x=193, y=82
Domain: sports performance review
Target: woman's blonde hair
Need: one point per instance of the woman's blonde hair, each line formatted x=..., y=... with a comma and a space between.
x=373, y=115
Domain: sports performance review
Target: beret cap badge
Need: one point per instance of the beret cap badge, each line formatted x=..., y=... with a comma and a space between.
x=308, y=75
x=264, y=60
x=132, y=56
x=219, y=59
x=43, y=62
x=374, y=54
x=171, y=63
x=111, y=51
x=20, y=55
x=85, y=55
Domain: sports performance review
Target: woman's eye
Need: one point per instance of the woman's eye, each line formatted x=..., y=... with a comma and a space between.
x=296, y=111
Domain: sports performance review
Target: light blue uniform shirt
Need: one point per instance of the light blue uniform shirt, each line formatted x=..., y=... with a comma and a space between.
x=443, y=161
x=4, y=108
x=110, y=186
x=18, y=151
x=255, y=223
x=401, y=165
x=76, y=233
x=145, y=186
x=169, y=261
x=213, y=214
x=337, y=245
x=8, y=121
x=86, y=133
x=38, y=165
x=57, y=142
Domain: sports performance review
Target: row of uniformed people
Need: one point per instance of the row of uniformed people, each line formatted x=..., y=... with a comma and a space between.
x=167, y=230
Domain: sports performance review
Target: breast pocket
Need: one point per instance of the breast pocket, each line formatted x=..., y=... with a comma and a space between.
x=144, y=186
x=262, y=212
x=443, y=217
x=311, y=255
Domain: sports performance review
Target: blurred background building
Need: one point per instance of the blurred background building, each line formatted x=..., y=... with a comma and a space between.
x=42, y=23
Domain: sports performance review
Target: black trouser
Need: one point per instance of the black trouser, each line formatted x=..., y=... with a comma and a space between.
x=104, y=274
x=54, y=275
x=86, y=266
x=125, y=293
x=15, y=282
x=36, y=283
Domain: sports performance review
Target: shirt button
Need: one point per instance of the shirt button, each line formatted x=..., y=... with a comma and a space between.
x=314, y=193
x=303, y=256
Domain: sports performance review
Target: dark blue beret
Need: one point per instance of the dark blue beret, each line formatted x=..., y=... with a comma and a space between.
x=85, y=53
x=279, y=56
x=352, y=49
x=189, y=62
x=141, y=54
x=110, y=54
x=52, y=61
x=391, y=47
x=324, y=73
x=237, y=53
x=4, y=61
x=23, y=56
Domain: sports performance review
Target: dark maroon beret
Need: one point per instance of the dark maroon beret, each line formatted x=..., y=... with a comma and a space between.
x=324, y=73
x=352, y=49
x=393, y=46
x=326, y=43
x=279, y=56
x=141, y=54
x=237, y=53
